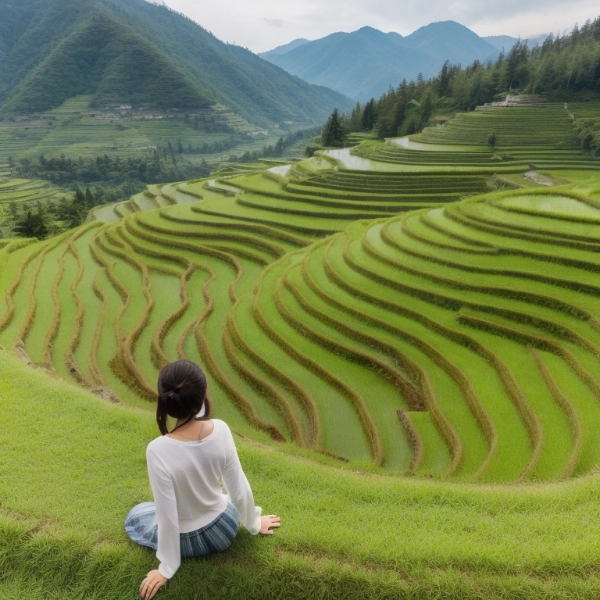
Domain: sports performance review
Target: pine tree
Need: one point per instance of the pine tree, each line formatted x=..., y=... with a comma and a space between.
x=369, y=115
x=334, y=132
x=444, y=81
x=33, y=224
x=356, y=118
x=400, y=114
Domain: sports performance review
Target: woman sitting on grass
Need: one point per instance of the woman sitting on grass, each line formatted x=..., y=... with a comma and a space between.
x=190, y=515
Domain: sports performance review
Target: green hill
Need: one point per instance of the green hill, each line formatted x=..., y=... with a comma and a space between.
x=105, y=59
x=134, y=52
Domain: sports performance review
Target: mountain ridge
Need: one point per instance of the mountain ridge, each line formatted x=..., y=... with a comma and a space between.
x=287, y=47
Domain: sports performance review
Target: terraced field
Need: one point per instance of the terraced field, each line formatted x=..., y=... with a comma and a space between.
x=27, y=191
x=538, y=137
x=404, y=317
x=77, y=130
x=23, y=193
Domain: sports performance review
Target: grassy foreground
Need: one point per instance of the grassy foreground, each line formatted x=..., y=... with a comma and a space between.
x=71, y=466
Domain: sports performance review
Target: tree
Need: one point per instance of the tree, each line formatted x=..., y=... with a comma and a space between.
x=33, y=224
x=400, y=111
x=369, y=117
x=426, y=107
x=444, y=81
x=334, y=133
x=356, y=118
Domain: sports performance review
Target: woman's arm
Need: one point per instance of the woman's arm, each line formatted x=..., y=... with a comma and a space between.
x=238, y=488
x=169, y=547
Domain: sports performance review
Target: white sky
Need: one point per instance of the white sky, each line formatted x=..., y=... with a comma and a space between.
x=261, y=25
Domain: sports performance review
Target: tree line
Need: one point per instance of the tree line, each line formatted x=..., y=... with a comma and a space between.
x=41, y=220
x=147, y=168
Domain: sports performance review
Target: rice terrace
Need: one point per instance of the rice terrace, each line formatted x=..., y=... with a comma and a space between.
x=403, y=333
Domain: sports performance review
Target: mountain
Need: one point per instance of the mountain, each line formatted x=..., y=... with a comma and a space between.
x=505, y=42
x=363, y=64
x=360, y=64
x=103, y=57
x=286, y=47
x=135, y=52
x=448, y=40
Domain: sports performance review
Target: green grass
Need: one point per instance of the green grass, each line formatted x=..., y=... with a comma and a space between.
x=359, y=536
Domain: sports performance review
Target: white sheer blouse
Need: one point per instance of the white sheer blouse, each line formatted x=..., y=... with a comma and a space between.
x=186, y=484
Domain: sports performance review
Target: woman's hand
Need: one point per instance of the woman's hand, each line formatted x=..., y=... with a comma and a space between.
x=266, y=523
x=153, y=582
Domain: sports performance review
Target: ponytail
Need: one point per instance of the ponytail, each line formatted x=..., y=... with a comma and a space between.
x=181, y=394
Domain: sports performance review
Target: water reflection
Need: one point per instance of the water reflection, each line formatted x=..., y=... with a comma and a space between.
x=350, y=161
x=282, y=170
x=406, y=142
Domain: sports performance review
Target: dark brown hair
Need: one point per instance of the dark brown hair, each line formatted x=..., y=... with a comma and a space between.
x=181, y=394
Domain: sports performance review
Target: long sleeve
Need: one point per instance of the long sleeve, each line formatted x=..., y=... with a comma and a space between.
x=169, y=548
x=238, y=488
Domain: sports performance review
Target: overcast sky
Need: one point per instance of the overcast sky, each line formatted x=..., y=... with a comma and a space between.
x=261, y=25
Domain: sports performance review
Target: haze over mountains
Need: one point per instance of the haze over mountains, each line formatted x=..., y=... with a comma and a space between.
x=134, y=52
x=364, y=63
x=506, y=42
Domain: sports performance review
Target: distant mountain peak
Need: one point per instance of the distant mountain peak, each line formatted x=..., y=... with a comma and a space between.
x=285, y=47
x=368, y=29
x=364, y=63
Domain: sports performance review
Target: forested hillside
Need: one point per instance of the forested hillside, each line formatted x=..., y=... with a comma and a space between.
x=134, y=52
x=105, y=58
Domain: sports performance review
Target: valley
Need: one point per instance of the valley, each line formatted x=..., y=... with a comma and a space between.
x=398, y=318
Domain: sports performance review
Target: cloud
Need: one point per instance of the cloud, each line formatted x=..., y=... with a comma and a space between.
x=275, y=22
x=264, y=24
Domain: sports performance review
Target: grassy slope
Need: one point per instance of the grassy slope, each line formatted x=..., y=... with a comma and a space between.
x=344, y=534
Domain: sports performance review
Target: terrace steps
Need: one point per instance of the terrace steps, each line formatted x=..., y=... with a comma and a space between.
x=396, y=317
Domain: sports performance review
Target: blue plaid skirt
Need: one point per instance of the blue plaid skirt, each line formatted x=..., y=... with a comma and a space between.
x=141, y=526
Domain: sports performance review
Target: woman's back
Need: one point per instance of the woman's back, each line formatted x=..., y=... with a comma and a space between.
x=192, y=470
